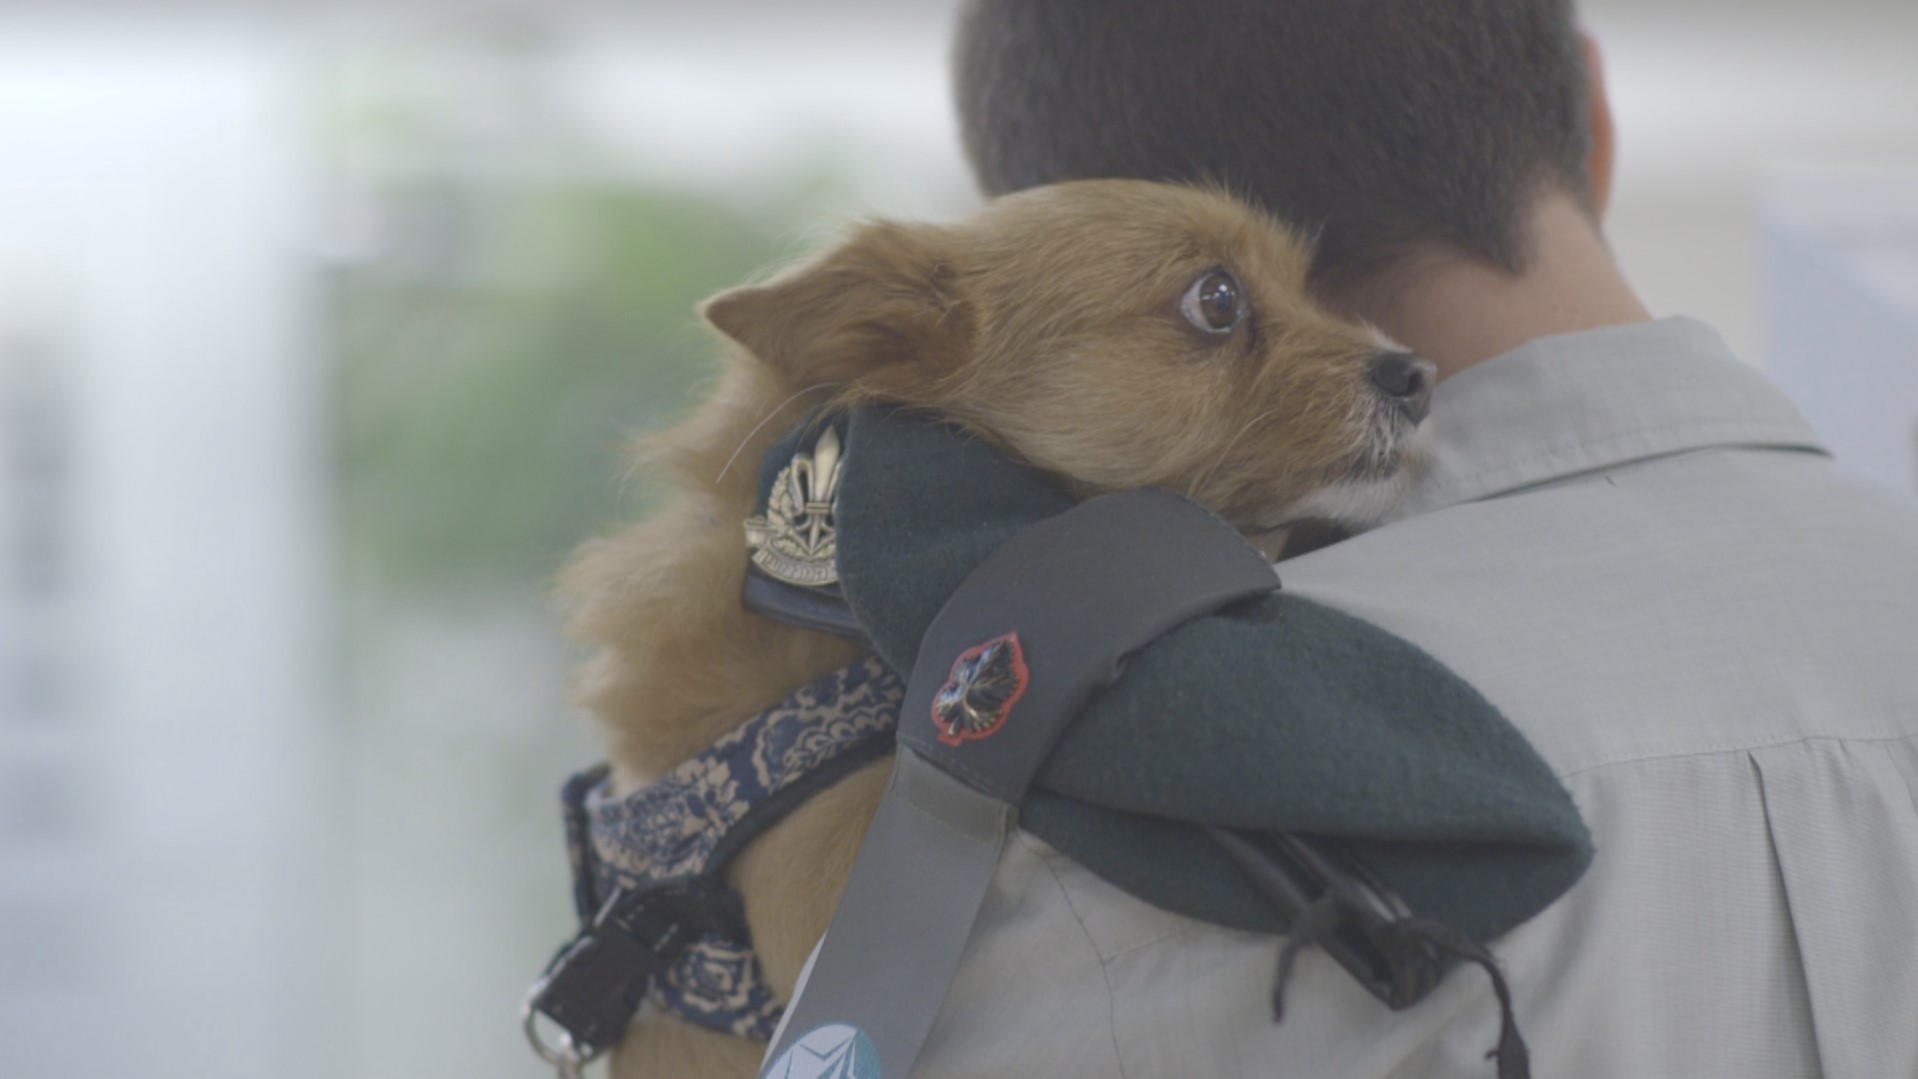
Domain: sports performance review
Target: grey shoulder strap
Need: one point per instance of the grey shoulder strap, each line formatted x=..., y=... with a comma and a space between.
x=1004, y=668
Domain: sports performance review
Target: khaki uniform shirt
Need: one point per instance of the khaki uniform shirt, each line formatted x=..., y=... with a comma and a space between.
x=1636, y=549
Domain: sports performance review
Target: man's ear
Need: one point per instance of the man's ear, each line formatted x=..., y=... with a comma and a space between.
x=1604, y=155
x=886, y=297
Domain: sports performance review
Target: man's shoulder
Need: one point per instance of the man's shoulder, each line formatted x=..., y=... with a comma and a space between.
x=1657, y=606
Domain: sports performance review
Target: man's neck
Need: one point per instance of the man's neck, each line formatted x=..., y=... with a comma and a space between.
x=1458, y=312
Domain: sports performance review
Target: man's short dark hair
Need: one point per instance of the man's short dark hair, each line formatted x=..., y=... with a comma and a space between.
x=1383, y=125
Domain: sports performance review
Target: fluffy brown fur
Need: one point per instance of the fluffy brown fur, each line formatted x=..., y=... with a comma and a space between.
x=1052, y=323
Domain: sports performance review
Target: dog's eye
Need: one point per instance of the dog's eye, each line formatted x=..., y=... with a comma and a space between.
x=1213, y=305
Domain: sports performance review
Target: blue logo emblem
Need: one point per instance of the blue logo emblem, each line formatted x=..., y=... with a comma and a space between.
x=834, y=1051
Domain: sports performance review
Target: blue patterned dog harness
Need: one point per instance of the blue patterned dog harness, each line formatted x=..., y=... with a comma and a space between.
x=658, y=918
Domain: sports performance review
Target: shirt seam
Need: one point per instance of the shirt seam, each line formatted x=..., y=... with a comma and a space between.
x=1737, y=747
x=1105, y=972
x=1776, y=862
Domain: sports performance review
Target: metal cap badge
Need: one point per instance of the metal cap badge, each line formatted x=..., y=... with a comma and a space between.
x=986, y=681
x=795, y=541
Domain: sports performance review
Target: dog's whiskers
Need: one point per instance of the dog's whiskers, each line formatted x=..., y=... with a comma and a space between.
x=761, y=425
x=1226, y=451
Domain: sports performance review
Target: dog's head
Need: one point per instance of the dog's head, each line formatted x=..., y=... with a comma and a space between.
x=1115, y=334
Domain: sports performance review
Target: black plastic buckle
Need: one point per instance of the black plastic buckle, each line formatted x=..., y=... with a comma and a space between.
x=1373, y=939
x=594, y=986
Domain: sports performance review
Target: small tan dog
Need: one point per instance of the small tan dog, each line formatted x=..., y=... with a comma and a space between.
x=1114, y=334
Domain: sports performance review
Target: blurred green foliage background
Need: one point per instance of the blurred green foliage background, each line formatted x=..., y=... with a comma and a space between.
x=488, y=382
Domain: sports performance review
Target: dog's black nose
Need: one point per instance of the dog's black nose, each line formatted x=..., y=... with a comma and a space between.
x=1407, y=380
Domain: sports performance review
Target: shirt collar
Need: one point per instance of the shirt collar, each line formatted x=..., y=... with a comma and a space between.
x=1560, y=406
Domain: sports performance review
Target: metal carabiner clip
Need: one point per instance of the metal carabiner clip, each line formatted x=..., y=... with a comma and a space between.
x=563, y=1055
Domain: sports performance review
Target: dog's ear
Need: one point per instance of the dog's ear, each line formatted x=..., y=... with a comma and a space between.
x=888, y=298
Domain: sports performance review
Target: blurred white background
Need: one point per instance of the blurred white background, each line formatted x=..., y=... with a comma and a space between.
x=319, y=329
